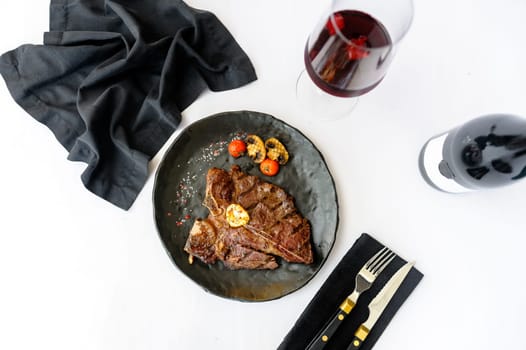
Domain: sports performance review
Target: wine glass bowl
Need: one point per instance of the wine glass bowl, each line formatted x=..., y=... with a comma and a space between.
x=348, y=53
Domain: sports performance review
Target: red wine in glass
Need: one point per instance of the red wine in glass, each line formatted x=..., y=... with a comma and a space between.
x=350, y=54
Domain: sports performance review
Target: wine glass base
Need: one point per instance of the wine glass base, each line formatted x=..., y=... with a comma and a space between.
x=430, y=162
x=316, y=104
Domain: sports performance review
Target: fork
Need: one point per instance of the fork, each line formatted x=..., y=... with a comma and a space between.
x=364, y=279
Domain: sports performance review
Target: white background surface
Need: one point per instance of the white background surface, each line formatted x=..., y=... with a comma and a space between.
x=78, y=273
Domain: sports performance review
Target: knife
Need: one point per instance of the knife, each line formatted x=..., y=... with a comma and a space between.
x=378, y=305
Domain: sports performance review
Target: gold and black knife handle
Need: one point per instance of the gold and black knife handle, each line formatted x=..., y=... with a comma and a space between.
x=330, y=328
x=359, y=337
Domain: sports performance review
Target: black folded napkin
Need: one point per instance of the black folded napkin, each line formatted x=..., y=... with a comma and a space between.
x=337, y=287
x=112, y=79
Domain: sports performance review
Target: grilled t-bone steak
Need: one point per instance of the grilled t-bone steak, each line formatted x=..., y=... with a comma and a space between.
x=275, y=227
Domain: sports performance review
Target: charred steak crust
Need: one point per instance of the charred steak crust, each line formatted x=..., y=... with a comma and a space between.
x=275, y=226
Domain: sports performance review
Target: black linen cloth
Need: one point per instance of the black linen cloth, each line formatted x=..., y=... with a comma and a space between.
x=112, y=79
x=337, y=287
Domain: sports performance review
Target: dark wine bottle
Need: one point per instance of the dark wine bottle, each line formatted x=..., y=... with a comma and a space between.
x=485, y=152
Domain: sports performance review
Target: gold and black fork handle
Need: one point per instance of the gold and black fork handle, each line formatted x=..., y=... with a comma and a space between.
x=323, y=337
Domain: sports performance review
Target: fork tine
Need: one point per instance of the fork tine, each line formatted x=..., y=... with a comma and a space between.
x=374, y=257
x=381, y=267
x=381, y=259
x=373, y=263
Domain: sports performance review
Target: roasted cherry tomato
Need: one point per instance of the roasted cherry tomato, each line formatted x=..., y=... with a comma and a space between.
x=269, y=167
x=237, y=148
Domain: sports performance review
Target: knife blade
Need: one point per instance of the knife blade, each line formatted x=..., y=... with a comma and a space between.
x=378, y=305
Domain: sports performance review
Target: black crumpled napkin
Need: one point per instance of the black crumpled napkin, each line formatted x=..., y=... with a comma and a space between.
x=112, y=79
x=337, y=287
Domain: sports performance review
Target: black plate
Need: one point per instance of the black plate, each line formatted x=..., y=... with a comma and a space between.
x=180, y=187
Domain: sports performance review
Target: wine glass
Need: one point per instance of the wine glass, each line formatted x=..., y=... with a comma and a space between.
x=348, y=53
